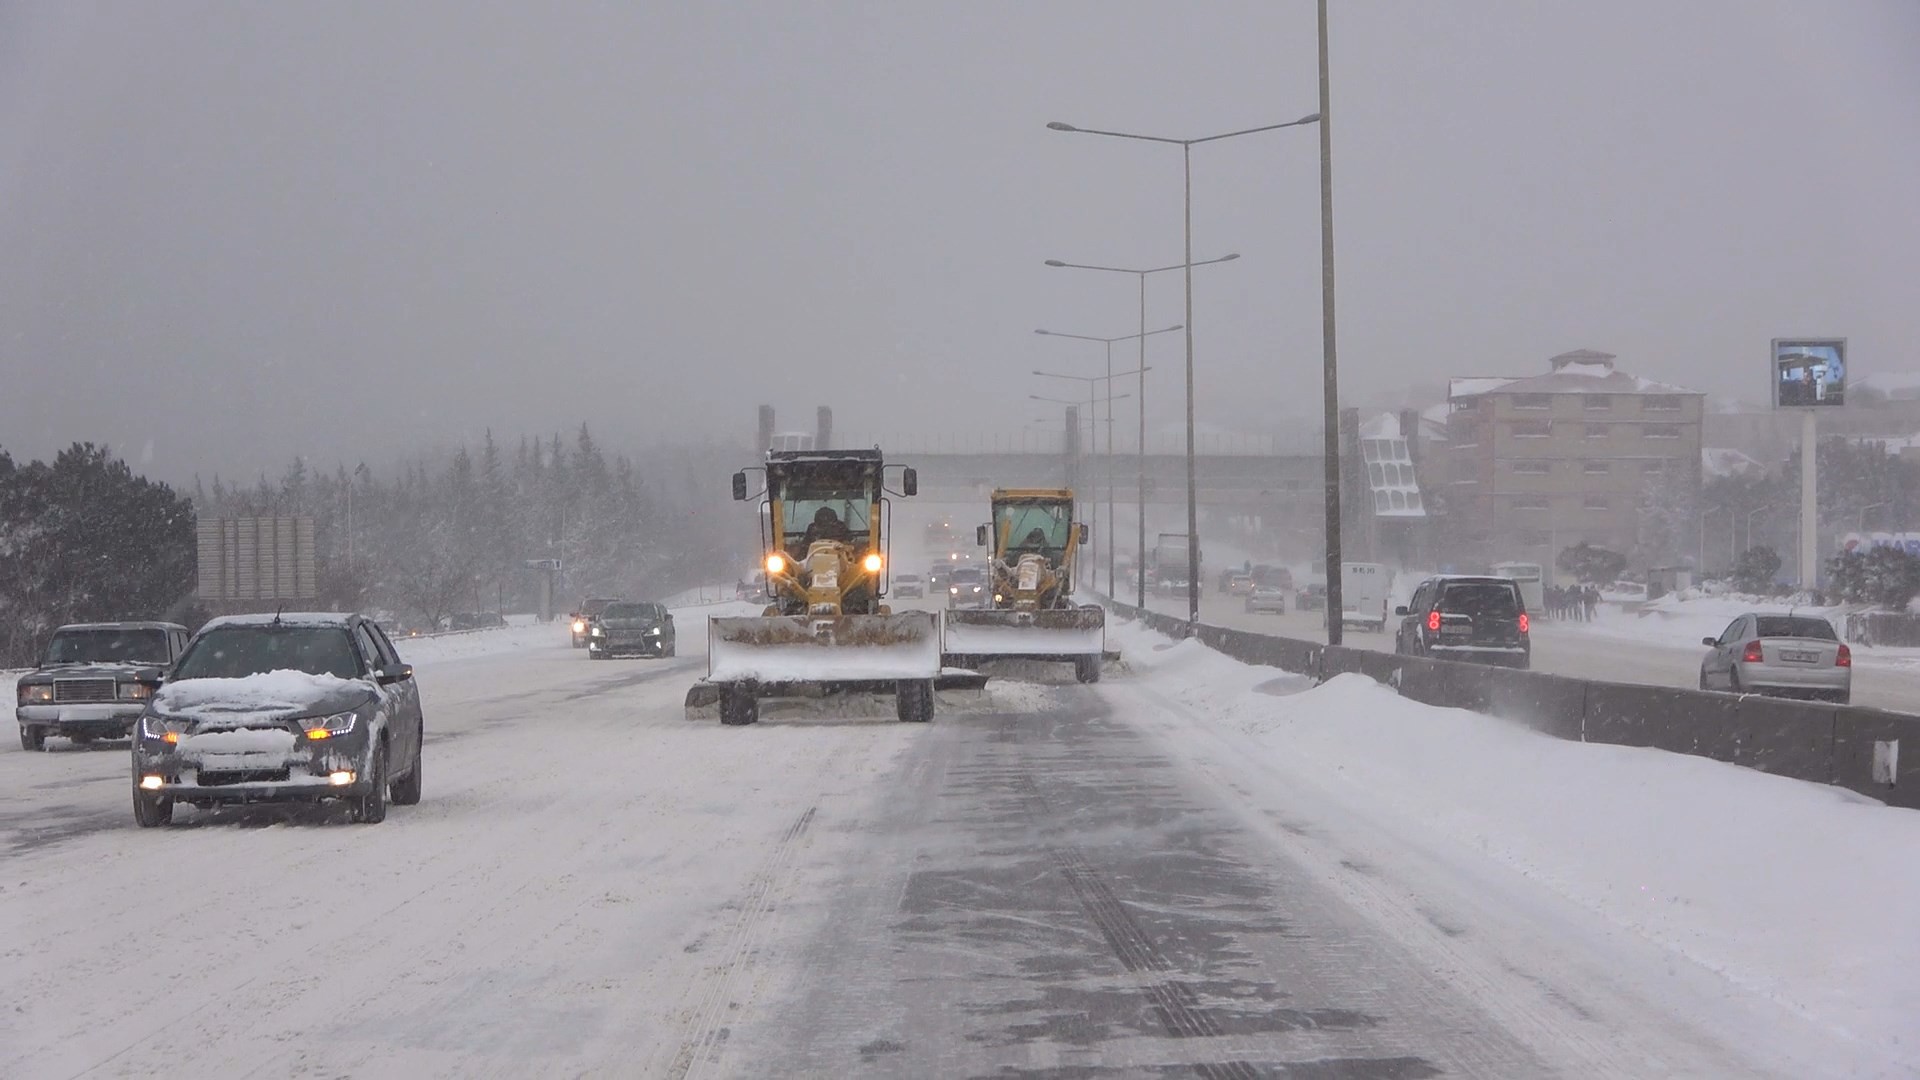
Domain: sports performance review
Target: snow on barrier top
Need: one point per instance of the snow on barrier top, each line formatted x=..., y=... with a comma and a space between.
x=1849, y=746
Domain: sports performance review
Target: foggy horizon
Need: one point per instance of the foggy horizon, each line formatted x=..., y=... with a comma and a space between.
x=238, y=235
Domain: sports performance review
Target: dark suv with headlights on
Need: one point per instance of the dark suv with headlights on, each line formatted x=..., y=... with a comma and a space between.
x=265, y=708
x=93, y=680
x=1479, y=619
x=630, y=628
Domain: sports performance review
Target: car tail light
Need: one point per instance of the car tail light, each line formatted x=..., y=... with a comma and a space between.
x=1433, y=620
x=1753, y=654
x=1524, y=622
x=1844, y=658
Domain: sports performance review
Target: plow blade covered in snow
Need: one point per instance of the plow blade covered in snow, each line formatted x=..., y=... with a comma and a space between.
x=755, y=657
x=1067, y=635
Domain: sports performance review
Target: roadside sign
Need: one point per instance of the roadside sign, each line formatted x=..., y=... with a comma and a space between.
x=543, y=564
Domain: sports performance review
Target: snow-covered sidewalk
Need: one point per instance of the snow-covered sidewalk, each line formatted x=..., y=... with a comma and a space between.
x=1799, y=893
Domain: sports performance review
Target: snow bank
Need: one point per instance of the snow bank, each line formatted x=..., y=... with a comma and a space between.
x=509, y=638
x=1800, y=892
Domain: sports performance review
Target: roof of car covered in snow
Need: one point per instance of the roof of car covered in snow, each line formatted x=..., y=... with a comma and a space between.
x=286, y=618
x=130, y=625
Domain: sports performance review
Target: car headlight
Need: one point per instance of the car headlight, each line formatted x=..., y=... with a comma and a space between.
x=955, y=590
x=579, y=626
x=653, y=632
x=167, y=729
x=598, y=632
x=133, y=691
x=32, y=695
x=326, y=727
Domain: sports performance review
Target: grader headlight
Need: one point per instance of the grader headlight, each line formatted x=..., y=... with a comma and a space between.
x=776, y=564
x=871, y=564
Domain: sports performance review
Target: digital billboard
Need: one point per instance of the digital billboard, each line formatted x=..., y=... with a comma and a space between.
x=1809, y=372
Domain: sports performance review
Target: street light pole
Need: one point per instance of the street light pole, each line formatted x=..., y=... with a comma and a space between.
x=1140, y=449
x=1142, y=370
x=1330, y=381
x=1186, y=152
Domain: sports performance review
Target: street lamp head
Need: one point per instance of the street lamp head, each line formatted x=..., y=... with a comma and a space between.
x=1228, y=257
x=1055, y=262
x=1043, y=331
x=1310, y=118
x=1056, y=125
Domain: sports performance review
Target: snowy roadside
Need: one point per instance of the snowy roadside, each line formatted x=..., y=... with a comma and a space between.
x=1683, y=623
x=1792, y=891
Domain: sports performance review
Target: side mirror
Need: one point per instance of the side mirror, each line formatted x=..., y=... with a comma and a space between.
x=1710, y=642
x=740, y=486
x=909, y=482
x=1084, y=532
x=397, y=673
x=1401, y=610
x=980, y=535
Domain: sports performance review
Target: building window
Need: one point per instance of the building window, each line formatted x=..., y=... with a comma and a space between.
x=1595, y=468
x=1531, y=538
x=1532, y=429
x=1653, y=467
x=1663, y=403
x=1530, y=502
x=1532, y=467
x=1597, y=402
x=1661, y=431
x=1598, y=502
x=1598, y=431
x=1532, y=401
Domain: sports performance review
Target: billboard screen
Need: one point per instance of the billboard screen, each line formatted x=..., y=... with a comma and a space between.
x=1808, y=372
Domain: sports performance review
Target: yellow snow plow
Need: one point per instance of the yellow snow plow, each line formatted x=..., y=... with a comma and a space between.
x=826, y=630
x=1035, y=542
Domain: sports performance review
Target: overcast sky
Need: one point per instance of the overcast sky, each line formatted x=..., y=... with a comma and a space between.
x=234, y=232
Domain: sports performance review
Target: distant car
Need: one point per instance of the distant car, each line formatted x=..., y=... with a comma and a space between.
x=967, y=588
x=1240, y=584
x=93, y=680
x=906, y=585
x=631, y=628
x=266, y=708
x=581, y=618
x=1271, y=598
x=1477, y=619
x=937, y=577
x=754, y=588
x=1169, y=585
x=1780, y=655
x=1265, y=574
x=1312, y=598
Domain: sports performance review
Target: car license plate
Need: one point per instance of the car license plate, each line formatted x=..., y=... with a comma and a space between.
x=1796, y=656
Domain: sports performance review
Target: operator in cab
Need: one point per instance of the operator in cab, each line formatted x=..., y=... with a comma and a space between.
x=826, y=526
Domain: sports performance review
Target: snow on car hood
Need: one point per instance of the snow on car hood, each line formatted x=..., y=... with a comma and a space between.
x=233, y=703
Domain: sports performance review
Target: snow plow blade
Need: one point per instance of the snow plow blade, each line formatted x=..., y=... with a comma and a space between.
x=849, y=648
x=977, y=636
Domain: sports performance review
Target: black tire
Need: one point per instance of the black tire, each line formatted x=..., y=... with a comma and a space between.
x=670, y=652
x=1086, y=669
x=406, y=790
x=913, y=700
x=81, y=740
x=738, y=707
x=1843, y=697
x=1703, y=680
x=33, y=737
x=371, y=808
x=150, y=811
x=1733, y=681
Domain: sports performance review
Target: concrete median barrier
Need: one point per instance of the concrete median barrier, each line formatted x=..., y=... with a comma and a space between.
x=1878, y=755
x=1552, y=704
x=1786, y=738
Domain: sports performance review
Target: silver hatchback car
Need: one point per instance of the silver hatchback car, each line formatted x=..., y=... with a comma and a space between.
x=1781, y=655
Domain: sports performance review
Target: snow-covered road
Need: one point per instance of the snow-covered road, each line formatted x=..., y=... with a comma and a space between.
x=1613, y=653
x=1050, y=879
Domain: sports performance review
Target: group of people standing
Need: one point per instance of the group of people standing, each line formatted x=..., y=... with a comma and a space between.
x=1576, y=603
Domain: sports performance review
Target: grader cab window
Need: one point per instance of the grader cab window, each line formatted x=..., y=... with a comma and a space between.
x=1039, y=528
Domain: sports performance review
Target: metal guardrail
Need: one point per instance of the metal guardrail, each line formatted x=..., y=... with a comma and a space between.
x=1847, y=746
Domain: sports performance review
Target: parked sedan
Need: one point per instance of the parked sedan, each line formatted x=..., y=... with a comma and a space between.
x=1267, y=598
x=281, y=708
x=1781, y=655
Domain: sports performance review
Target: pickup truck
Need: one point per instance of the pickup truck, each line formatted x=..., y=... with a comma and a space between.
x=580, y=621
x=94, y=679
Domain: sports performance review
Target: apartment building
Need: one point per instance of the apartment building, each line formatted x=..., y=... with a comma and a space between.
x=1585, y=452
